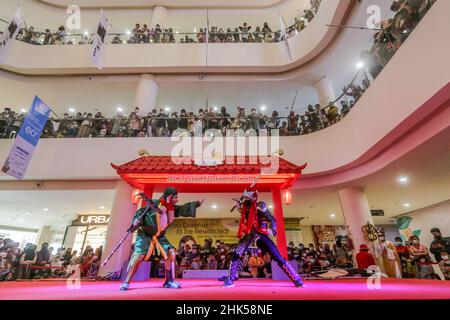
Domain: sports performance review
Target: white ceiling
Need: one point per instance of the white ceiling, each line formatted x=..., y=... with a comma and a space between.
x=428, y=168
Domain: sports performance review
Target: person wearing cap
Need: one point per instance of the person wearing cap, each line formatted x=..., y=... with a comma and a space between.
x=439, y=244
x=364, y=258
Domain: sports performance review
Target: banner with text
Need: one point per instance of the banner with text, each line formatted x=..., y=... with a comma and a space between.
x=99, y=44
x=197, y=230
x=27, y=139
x=10, y=33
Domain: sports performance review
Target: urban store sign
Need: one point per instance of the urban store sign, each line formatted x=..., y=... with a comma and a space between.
x=91, y=219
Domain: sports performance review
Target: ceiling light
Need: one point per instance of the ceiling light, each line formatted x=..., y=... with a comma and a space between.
x=195, y=29
x=214, y=206
x=403, y=179
x=407, y=205
x=23, y=110
x=124, y=41
x=332, y=215
x=86, y=33
x=128, y=32
x=45, y=209
x=360, y=65
x=215, y=108
x=119, y=109
x=167, y=109
x=101, y=207
x=270, y=206
x=263, y=108
x=71, y=110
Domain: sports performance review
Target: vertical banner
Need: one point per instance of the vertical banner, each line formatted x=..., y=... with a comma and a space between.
x=10, y=33
x=284, y=34
x=99, y=44
x=27, y=139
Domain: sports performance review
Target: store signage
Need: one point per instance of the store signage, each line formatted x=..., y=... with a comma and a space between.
x=377, y=213
x=91, y=219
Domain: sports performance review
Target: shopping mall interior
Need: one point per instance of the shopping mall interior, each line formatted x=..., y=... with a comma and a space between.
x=350, y=99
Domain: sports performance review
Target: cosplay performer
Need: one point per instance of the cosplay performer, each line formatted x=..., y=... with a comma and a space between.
x=151, y=229
x=253, y=227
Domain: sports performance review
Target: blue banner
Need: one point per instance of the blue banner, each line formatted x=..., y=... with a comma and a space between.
x=27, y=139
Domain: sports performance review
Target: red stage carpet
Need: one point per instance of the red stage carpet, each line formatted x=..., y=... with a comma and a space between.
x=346, y=289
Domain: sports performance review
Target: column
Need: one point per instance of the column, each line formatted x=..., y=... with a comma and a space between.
x=71, y=234
x=122, y=213
x=356, y=210
x=278, y=211
x=325, y=91
x=146, y=93
x=159, y=17
x=44, y=235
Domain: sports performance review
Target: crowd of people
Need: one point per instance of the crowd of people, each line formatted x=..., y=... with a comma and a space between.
x=31, y=263
x=393, y=32
x=157, y=34
x=162, y=123
x=411, y=259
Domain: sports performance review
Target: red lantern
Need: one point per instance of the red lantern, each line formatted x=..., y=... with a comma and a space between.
x=134, y=196
x=287, y=197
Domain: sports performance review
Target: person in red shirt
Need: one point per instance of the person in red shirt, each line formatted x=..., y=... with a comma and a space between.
x=364, y=259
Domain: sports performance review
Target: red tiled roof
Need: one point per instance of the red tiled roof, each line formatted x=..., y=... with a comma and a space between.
x=165, y=165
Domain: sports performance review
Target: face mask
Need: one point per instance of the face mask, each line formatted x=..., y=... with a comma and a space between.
x=398, y=244
x=444, y=257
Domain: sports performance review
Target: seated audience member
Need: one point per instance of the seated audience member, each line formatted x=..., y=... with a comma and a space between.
x=255, y=262
x=211, y=263
x=364, y=259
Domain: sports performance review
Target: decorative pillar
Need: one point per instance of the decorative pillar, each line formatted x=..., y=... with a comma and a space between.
x=159, y=16
x=356, y=210
x=44, y=235
x=278, y=210
x=146, y=94
x=122, y=213
x=325, y=91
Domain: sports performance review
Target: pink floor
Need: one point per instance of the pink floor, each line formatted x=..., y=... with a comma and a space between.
x=346, y=289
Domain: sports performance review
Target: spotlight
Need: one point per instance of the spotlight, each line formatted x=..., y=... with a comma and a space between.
x=360, y=65
x=403, y=179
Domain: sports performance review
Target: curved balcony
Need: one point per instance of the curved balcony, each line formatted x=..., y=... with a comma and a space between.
x=196, y=57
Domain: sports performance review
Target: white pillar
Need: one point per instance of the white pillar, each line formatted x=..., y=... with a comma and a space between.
x=159, y=17
x=71, y=234
x=146, y=94
x=325, y=91
x=44, y=235
x=356, y=210
x=122, y=213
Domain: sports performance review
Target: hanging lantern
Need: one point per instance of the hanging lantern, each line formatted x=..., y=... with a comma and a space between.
x=134, y=196
x=287, y=196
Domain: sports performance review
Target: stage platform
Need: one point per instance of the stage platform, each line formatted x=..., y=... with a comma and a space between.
x=248, y=289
